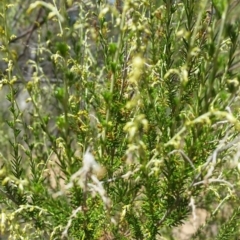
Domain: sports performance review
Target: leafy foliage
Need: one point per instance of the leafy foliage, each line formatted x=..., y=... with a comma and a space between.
x=121, y=117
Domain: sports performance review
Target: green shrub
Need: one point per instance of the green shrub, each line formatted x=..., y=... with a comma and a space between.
x=118, y=118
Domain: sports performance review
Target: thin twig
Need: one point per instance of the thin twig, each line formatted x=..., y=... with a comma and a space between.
x=184, y=156
x=213, y=181
x=35, y=26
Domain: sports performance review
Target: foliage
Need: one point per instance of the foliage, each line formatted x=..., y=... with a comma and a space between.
x=119, y=118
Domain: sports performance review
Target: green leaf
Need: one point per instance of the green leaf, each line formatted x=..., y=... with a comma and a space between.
x=62, y=48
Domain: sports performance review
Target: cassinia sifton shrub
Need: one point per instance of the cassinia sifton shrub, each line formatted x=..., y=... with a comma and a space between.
x=119, y=118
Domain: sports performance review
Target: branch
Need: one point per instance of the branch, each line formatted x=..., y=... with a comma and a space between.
x=31, y=29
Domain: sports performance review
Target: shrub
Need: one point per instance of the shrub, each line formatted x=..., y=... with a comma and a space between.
x=119, y=118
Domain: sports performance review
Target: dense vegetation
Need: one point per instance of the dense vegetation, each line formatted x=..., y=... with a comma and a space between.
x=119, y=118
